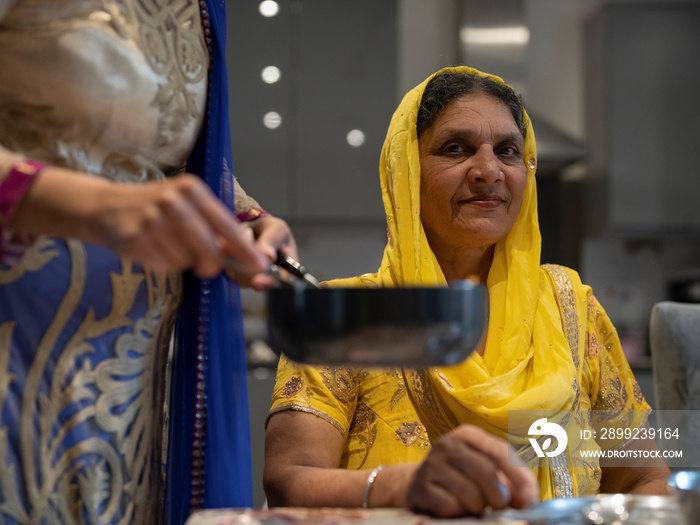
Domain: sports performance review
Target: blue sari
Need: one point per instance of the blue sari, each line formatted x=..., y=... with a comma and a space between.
x=210, y=349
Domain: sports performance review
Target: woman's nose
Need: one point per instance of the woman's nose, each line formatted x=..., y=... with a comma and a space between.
x=485, y=166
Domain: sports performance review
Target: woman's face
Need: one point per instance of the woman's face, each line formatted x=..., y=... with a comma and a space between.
x=472, y=174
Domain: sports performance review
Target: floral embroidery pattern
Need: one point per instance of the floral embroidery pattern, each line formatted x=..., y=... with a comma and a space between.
x=83, y=476
x=592, y=301
x=167, y=31
x=401, y=391
x=341, y=383
x=441, y=420
x=619, y=398
x=413, y=433
x=583, y=420
x=37, y=255
x=613, y=394
x=637, y=391
x=295, y=386
x=363, y=425
x=603, y=335
x=592, y=345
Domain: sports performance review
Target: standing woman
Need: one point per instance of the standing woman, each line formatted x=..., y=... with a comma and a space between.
x=102, y=105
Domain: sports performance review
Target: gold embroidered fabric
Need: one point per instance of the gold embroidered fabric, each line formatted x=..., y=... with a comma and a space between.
x=378, y=418
x=129, y=109
x=535, y=358
x=116, y=89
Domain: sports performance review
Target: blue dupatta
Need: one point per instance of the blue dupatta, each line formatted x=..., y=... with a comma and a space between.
x=209, y=459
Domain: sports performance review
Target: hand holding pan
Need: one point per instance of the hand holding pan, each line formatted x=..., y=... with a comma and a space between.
x=291, y=265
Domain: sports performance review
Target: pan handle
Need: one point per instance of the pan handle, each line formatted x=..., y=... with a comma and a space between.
x=297, y=269
x=234, y=265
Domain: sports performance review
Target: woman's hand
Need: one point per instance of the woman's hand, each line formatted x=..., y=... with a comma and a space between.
x=467, y=471
x=272, y=235
x=171, y=225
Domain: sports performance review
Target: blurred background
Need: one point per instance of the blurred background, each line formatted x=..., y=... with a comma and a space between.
x=613, y=89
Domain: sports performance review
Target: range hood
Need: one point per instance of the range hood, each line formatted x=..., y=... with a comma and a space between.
x=494, y=37
x=555, y=149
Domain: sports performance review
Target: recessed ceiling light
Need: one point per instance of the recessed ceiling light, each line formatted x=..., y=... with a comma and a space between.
x=270, y=74
x=269, y=8
x=355, y=138
x=272, y=120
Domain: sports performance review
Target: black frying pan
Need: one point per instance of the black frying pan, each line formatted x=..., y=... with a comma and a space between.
x=403, y=327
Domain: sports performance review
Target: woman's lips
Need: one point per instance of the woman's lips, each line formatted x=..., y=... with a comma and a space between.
x=484, y=201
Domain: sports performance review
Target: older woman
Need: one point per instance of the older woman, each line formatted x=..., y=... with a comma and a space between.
x=458, y=181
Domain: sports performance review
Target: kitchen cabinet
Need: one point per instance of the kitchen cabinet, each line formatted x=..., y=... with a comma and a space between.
x=642, y=70
x=337, y=63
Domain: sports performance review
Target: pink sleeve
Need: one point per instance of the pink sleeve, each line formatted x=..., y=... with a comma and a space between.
x=12, y=189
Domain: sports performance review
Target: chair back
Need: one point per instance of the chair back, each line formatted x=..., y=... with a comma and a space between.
x=674, y=332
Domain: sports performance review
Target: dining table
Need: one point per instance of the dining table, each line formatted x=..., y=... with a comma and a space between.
x=602, y=509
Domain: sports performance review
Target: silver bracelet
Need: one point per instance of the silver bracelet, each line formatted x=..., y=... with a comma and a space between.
x=368, y=485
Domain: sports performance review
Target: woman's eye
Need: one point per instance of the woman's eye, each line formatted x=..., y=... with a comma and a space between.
x=509, y=151
x=453, y=147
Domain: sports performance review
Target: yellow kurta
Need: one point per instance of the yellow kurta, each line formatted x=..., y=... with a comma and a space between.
x=550, y=346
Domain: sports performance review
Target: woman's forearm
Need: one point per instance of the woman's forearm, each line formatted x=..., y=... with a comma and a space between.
x=314, y=487
x=326, y=487
x=645, y=475
x=62, y=203
x=652, y=486
x=168, y=225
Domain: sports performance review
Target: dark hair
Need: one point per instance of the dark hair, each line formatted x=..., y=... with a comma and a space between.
x=445, y=87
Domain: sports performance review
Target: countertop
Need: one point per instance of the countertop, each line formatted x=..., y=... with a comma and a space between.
x=619, y=509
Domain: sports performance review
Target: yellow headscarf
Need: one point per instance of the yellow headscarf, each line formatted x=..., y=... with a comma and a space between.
x=527, y=362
